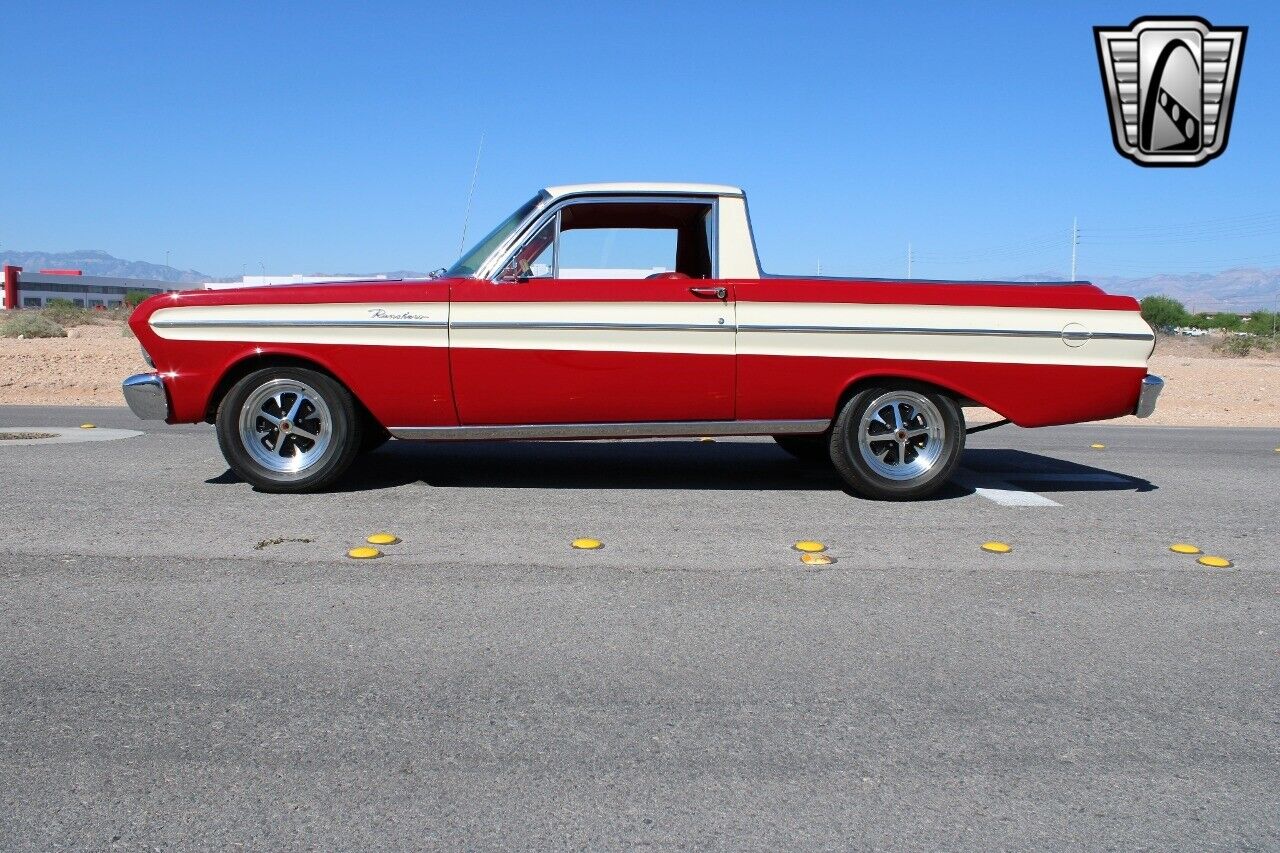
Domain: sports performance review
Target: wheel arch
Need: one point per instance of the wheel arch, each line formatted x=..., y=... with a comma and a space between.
x=963, y=397
x=255, y=361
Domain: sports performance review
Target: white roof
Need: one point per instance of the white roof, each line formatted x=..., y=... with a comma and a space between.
x=644, y=187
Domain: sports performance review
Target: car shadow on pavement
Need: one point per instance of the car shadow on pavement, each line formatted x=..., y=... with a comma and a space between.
x=666, y=464
x=1039, y=473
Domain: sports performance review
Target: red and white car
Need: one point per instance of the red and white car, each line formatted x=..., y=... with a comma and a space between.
x=626, y=310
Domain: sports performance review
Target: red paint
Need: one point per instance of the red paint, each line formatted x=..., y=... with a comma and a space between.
x=502, y=386
x=787, y=387
x=11, y=287
x=61, y=272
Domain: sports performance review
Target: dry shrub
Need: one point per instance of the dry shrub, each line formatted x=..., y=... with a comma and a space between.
x=30, y=325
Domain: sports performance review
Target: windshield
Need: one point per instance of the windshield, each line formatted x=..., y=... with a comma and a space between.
x=471, y=261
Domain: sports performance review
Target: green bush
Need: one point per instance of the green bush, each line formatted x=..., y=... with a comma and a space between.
x=1263, y=323
x=30, y=325
x=64, y=312
x=1235, y=345
x=1225, y=320
x=134, y=298
x=1164, y=313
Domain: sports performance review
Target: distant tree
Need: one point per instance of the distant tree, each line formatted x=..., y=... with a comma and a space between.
x=134, y=298
x=1225, y=320
x=1164, y=312
x=1263, y=323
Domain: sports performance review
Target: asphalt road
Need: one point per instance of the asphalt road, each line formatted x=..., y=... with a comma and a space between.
x=171, y=675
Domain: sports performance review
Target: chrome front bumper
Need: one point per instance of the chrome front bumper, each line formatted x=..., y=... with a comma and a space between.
x=145, y=394
x=1152, y=385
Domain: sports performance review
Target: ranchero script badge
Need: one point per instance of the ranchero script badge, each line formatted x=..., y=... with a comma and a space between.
x=1170, y=85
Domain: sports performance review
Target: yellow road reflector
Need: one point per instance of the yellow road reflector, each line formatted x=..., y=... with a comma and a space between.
x=383, y=539
x=1215, y=562
x=1098, y=446
x=1184, y=548
x=88, y=426
x=817, y=559
x=364, y=553
x=587, y=544
x=709, y=438
x=809, y=546
x=997, y=547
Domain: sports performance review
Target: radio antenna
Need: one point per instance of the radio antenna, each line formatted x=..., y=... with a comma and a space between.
x=466, y=216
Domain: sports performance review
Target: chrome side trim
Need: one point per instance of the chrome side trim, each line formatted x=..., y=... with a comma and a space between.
x=145, y=394
x=572, y=327
x=300, y=324
x=909, y=330
x=644, y=429
x=1152, y=385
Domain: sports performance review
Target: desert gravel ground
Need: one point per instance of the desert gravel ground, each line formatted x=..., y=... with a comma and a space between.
x=1204, y=388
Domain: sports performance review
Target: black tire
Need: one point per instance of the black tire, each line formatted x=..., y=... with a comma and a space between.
x=908, y=466
x=806, y=448
x=373, y=436
x=278, y=460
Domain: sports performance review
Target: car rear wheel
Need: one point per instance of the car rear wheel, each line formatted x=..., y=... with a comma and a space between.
x=897, y=442
x=806, y=448
x=288, y=429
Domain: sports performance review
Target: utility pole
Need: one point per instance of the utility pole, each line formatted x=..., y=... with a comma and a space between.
x=908, y=260
x=819, y=264
x=166, y=257
x=1075, y=241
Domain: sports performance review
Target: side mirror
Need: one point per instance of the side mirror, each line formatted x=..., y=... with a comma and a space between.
x=511, y=274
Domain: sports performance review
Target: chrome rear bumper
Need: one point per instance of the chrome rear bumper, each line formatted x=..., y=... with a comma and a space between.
x=1152, y=385
x=145, y=394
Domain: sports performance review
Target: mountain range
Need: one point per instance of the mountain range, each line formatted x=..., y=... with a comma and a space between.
x=1240, y=288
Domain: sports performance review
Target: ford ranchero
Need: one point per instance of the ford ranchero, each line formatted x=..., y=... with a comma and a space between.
x=635, y=310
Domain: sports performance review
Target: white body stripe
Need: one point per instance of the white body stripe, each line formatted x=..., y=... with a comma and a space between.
x=390, y=324
x=853, y=330
x=702, y=328
x=942, y=333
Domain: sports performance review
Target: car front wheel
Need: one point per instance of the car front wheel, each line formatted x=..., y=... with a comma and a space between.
x=897, y=442
x=288, y=429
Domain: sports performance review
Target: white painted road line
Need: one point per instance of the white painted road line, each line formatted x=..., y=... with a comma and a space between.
x=1000, y=491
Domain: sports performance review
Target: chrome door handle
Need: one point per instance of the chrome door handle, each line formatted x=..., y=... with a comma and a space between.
x=708, y=292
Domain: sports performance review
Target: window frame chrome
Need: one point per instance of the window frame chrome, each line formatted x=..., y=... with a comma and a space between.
x=492, y=270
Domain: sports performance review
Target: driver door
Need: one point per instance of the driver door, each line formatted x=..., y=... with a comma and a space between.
x=606, y=314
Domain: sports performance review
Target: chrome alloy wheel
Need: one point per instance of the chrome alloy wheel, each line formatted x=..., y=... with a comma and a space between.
x=285, y=426
x=900, y=435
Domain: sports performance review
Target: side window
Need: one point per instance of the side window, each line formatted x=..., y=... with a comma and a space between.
x=617, y=252
x=619, y=240
x=536, y=258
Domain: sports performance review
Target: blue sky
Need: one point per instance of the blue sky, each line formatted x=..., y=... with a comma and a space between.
x=315, y=137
